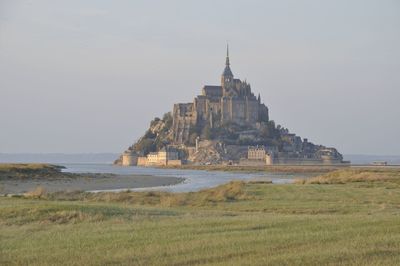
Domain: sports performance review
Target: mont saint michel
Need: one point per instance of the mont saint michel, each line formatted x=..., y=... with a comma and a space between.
x=131, y=134
x=226, y=124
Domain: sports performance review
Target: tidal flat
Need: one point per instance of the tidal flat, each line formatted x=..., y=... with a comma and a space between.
x=23, y=178
x=345, y=217
x=308, y=169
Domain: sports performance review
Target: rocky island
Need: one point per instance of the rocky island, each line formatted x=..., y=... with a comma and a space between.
x=226, y=124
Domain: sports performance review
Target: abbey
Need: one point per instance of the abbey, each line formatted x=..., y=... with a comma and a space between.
x=230, y=102
x=226, y=124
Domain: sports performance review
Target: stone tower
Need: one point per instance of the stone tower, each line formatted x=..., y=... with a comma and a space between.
x=227, y=76
x=230, y=102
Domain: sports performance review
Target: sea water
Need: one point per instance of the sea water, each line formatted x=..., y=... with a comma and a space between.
x=194, y=179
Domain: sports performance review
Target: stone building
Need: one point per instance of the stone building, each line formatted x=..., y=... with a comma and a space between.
x=164, y=157
x=256, y=153
x=161, y=158
x=129, y=158
x=232, y=101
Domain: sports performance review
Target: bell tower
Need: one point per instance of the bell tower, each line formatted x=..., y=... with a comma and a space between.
x=227, y=76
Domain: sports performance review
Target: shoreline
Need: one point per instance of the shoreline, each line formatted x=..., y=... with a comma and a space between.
x=258, y=169
x=87, y=182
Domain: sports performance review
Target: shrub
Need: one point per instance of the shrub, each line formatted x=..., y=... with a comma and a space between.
x=350, y=175
x=38, y=192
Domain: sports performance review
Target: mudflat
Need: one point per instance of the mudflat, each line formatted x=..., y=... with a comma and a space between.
x=86, y=182
x=21, y=178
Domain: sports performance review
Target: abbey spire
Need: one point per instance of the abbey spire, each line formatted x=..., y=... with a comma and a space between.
x=227, y=55
x=227, y=75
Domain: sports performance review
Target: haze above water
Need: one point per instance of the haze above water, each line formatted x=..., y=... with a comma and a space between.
x=88, y=76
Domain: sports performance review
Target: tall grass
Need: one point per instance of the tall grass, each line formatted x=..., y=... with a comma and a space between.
x=354, y=223
x=232, y=191
x=38, y=192
x=354, y=175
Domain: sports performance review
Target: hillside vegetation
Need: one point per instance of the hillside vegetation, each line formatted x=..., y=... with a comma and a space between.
x=343, y=223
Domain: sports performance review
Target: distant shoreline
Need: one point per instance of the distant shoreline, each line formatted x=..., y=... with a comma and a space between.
x=318, y=169
x=87, y=182
x=266, y=168
x=22, y=178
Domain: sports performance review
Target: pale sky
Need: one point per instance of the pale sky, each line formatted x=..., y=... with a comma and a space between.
x=88, y=76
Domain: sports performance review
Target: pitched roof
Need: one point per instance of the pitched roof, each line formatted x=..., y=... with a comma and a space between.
x=210, y=90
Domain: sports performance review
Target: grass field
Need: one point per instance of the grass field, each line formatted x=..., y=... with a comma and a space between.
x=344, y=221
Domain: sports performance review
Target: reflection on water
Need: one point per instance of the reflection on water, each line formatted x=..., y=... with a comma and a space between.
x=195, y=179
